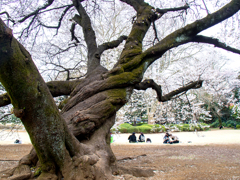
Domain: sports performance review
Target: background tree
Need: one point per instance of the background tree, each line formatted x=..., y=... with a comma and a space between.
x=74, y=143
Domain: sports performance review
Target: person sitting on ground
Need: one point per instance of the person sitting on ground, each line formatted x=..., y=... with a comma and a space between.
x=17, y=141
x=132, y=138
x=148, y=140
x=174, y=139
x=141, y=138
x=166, y=138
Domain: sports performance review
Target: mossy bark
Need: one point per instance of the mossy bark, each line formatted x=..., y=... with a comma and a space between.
x=59, y=153
x=74, y=144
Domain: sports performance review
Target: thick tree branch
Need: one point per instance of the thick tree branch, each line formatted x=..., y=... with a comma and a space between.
x=145, y=16
x=188, y=33
x=163, y=11
x=136, y=4
x=149, y=83
x=215, y=42
x=109, y=45
x=57, y=88
x=89, y=35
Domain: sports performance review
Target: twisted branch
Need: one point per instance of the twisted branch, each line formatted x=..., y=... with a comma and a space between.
x=215, y=42
x=149, y=83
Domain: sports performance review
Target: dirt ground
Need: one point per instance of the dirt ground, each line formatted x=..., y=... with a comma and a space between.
x=170, y=162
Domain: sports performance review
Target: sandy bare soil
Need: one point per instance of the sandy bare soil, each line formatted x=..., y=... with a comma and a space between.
x=210, y=155
x=205, y=162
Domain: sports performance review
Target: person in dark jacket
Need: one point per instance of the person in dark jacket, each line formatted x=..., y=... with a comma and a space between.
x=132, y=138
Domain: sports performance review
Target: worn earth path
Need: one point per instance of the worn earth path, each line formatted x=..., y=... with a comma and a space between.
x=209, y=161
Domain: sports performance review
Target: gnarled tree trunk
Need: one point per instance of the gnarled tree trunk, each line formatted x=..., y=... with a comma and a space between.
x=74, y=144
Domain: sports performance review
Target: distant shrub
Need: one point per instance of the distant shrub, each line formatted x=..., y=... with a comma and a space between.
x=186, y=127
x=156, y=128
x=204, y=124
x=206, y=128
x=238, y=126
x=123, y=130
x=133, y=129
x=148, y=125
x=192, y=127
x=125, y=125
x=214, y=124
x=141, y=123
x=179, y=127
x=233, y=123
x=163, y=128
x=145, y=129
x=196, y=127
x=200, y=127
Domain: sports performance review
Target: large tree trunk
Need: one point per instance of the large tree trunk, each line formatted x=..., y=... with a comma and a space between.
x=74, y=144
x=88, y=115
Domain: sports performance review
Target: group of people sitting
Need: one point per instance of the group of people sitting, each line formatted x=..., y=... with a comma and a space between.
x=167, y=139
x=133, y=139
x=170, y=139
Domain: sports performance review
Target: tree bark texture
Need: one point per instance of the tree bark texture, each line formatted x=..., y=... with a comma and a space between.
x=74, y=144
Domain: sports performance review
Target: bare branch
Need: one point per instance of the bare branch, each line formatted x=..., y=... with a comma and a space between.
x=163, y=11
x=68, y=70
x=109, y=45
x=61, y=50
x=89, y=35
x=28, y=27
x=8, y=17
x=72, y=32
x=59, y=21
x=5, y=115
x=155, y=32
x=149, y=83
x=215, y=42
x=84, y=21
x=205, y=6
x=60, y=7
x=35, y=13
